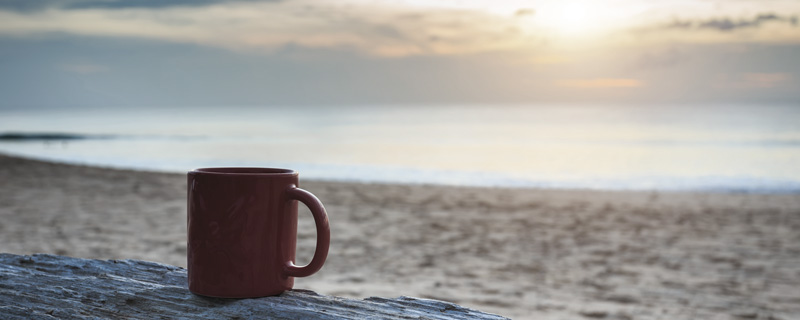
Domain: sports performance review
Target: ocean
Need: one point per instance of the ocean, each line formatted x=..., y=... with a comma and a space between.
x=742, y=148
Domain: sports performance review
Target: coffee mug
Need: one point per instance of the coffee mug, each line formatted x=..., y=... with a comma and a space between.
x=242, y=227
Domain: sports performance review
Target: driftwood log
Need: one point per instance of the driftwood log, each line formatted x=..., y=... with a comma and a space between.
x=44, y=286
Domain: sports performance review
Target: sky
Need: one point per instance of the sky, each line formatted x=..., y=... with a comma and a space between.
x=175, y=53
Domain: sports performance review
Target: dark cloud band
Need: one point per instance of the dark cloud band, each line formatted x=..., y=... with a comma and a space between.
x=28, y=6
x=729, y=24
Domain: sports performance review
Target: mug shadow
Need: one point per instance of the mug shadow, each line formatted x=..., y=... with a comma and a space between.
x=216, y=301
x=213, y=301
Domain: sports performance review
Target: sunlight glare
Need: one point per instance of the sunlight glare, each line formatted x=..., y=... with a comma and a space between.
x=579, y=18
x=573, y=17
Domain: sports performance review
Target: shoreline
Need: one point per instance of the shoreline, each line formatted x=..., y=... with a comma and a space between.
x=518, y=186
x=522, y=253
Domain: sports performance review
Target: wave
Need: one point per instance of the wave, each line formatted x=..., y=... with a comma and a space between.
x=404, y=175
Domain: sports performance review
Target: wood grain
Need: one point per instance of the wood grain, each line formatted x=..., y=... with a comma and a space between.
x=45, y=286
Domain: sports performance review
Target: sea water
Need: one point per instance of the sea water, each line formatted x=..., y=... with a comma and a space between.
x=741, y=148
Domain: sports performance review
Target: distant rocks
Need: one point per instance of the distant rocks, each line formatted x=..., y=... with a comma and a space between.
x=47, y=136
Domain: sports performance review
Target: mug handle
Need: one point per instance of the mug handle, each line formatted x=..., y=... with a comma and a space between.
x=323, y=234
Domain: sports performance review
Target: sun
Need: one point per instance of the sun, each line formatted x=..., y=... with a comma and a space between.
x=584, y=18
x=572, y=17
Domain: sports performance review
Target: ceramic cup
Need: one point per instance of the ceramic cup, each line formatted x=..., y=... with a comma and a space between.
x=242, y=227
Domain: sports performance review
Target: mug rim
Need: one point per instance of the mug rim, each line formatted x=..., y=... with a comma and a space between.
x=245, y=171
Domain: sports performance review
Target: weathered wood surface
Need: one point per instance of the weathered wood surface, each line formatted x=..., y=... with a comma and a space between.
x=44, y=286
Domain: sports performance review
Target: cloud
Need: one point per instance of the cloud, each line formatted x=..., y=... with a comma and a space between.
x=524, y=12
x=121, y=4
x=753, y=80
x=26, y=6
x=728, y=24
x=664, y=58
x=84, y=68
x=600, y=83
x=39, y=72
x=371, y=27
x=385, y=28
x=553, y=59
x=29, y=6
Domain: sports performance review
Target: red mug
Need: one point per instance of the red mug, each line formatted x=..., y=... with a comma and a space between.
x=242, y=227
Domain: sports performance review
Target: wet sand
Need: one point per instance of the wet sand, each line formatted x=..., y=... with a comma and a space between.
x=522, y=253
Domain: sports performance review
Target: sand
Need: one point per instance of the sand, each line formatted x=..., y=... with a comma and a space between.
x=522, y=253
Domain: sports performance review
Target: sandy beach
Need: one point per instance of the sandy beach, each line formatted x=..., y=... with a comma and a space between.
x=522, y=253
